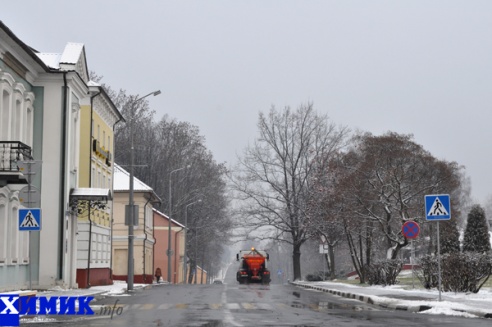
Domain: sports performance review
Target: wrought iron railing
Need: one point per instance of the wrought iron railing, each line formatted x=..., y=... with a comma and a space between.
x=11, y=152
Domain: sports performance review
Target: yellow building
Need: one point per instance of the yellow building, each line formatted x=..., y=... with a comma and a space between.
x=98, y=118
x=143, y=233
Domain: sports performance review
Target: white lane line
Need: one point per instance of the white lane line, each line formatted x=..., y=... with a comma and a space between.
x=228, y=317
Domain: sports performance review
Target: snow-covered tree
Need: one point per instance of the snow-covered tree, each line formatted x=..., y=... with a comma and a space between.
x=476, y=232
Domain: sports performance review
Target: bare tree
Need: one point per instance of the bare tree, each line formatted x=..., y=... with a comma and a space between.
x=167, y=145
x=272, y=179
x=386, y=181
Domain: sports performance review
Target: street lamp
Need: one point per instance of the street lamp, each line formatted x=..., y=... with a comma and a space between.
x=185, y=269
x=169, y=210
x=131, y=205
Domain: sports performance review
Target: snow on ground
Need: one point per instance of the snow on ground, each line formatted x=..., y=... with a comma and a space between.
x=117, y=289
x=455, y=304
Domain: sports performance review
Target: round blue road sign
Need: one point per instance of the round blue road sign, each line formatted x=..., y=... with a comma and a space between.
x=410, y=229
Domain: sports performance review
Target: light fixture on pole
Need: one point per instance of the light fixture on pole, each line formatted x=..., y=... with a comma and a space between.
x=169, y=210
x=130, y=213
x=185, y=268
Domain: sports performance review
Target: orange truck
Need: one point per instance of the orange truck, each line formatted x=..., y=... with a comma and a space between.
x=253, y=267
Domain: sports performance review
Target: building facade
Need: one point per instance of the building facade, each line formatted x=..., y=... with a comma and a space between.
x=42, y=165
x=143, y=239
x=98, y=118
x=39, y=117
x=161, y=235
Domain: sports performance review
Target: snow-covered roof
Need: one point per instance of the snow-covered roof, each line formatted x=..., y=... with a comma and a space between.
x=72, y=53
x=122, y=181
x=51, y=60
x=71, y=59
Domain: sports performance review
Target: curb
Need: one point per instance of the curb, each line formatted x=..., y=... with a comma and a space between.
x=369, y=300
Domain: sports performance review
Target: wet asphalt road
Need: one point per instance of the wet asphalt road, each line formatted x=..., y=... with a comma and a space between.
x=231, y=304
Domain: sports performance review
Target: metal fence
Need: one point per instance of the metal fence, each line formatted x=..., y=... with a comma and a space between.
x=11, y=152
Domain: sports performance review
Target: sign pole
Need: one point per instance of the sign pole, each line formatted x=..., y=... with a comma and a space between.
x=29, y=235
x=438, y=207
x=439, y=260
x=412, y=262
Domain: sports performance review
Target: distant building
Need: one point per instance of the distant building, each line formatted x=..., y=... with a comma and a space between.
x=144, y=240
x=161, y=233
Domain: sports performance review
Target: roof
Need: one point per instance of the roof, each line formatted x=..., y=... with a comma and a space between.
x=28, y=50
x=122, y=182
x=166, y=217
x=51, y=60
x=71, y=59
x=72, y=53
x=94, y=194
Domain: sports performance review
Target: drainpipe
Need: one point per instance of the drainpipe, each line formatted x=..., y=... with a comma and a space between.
x=63, y=162
x=145, y=239
x=176, y=254
x=89, y=215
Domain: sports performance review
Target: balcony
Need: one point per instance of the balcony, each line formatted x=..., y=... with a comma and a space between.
x=10, y=153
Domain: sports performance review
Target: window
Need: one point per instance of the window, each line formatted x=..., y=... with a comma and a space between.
x=28, y=127
x=13, y=240
x=23, y=248
x=5, y=116
x=93, y=177
x=148, y=217
x=16, y=124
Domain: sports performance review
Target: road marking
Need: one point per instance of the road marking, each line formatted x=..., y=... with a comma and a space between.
x=148, y=306
x=232, y=306
x=248, y=306
x=228, y=317
x=215, y=306
x=165, y=306
x=264, y=306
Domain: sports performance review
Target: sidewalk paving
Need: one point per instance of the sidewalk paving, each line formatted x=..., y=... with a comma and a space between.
x=119, y=288
x=413, y=300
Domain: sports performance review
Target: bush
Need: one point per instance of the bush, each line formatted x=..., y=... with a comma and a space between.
x=465, y=272
x=461, y=272
x=383, y=272
x=317, y=276
x=428, y=273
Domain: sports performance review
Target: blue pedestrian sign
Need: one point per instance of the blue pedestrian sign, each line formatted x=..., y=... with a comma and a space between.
x=30, y=219
x=437, y=207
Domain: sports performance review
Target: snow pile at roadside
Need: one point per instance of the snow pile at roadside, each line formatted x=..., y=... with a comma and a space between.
x=455, y=304
x=117, y=289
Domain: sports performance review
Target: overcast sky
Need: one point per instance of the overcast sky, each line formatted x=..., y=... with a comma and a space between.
x=419, y=67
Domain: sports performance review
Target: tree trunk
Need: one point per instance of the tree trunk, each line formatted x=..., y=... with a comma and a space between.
x=296, y=261
x=331, y=261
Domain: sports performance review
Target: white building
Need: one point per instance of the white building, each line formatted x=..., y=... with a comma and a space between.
x=40, y=99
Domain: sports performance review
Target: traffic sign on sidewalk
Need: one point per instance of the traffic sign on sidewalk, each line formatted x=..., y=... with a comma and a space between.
x=30, y=219
x=437, y=207
x=410, y=229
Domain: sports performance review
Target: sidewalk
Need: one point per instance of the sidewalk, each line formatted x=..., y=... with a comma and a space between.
x=119, y=288
x=413, y=300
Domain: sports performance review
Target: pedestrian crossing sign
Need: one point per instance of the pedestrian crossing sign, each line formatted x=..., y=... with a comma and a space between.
x=437, y=207
x=30, y=219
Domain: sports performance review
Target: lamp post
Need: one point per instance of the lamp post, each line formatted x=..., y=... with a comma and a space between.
x=169, y=210
x=131, y=205
x=185, y=269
